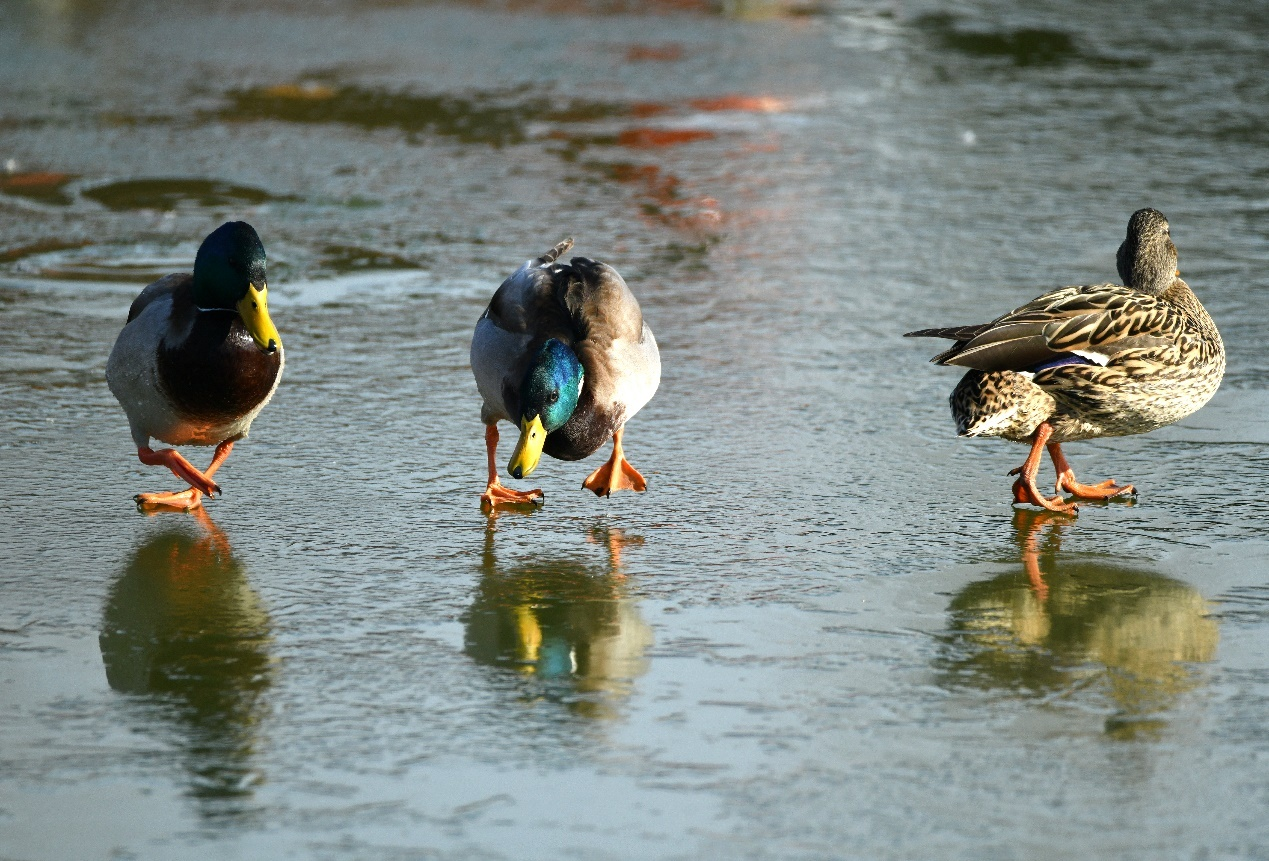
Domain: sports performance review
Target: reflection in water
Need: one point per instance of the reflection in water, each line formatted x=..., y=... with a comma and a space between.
x=1031, y=46
x=1083, y=624
x=598, y=137
x=169, y=193
x=185, y=633
x=563, y=623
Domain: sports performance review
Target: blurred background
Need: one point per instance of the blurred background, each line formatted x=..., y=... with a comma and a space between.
x=822, y=632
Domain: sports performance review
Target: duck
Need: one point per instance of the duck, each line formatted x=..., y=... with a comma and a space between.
x=197, y=360
x=563, y=353
x=1085, y=362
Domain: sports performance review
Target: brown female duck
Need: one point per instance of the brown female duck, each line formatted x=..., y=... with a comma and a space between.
x=1086, y=362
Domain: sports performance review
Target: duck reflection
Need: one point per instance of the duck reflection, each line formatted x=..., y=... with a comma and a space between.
x=566, y=624
x=187, y=635
x=1080, y=624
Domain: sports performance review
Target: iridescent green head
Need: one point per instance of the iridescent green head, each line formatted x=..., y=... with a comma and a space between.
x=229, y=274
x=548, y=396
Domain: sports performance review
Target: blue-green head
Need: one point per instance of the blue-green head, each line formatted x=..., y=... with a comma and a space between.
x=548, y=396
x=229, y=273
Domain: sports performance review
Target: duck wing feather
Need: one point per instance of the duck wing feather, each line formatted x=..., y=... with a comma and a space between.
x=1097, y=322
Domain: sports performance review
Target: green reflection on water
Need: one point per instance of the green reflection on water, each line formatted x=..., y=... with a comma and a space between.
x=496, y=118
x=169, y=193
x=187, y=635
x=1079, y=627
x=564, y=623
x=1028, y=46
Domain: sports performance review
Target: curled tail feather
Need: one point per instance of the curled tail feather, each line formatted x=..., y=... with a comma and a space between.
x=554, y=254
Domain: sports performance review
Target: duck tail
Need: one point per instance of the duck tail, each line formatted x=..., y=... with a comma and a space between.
x=952, y=333
x=962, y=335
x=554, y=254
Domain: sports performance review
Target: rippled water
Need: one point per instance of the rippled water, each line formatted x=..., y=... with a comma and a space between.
x=823, y=632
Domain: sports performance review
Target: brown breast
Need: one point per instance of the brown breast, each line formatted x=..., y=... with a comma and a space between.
x=216, y=373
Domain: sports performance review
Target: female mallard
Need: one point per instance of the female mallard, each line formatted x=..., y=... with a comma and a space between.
x=1086, y=362
x=563, y=352
x=198, y=359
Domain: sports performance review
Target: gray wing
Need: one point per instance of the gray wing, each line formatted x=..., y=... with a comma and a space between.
x=165, y=286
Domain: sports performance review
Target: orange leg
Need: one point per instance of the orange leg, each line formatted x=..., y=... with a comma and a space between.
x=186, y=499
x=495, y=494
x=1024, y=489
x=1066, y=480
x=616, y=474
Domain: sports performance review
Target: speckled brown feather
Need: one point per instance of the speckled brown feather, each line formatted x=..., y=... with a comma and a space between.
x=1154, y=354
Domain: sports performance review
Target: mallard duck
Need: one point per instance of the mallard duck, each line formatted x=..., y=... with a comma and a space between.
x=1086, y=362
x=563, y=353
x=198, y=359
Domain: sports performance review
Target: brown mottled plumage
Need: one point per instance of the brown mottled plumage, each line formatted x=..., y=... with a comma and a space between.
x=1089, y=361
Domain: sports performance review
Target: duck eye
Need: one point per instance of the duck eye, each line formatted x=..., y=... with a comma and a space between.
x=553, y=397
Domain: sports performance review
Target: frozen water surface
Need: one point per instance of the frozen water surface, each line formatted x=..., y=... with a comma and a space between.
x=823, y=632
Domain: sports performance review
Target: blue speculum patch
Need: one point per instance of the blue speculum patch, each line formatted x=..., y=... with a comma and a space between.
x=1068, y=359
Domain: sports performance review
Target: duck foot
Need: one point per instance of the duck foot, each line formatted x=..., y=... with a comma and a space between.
x=1026, y=493
x=616, y=473
x=200, y=482
x=1024, y=490
x=1066, y=480
x=186, y=500
x=1102, y=490
x=497, y=494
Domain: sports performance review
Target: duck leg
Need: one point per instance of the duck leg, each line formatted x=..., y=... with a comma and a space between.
x=1024, y=489
x=495, y=494
x=200, y=482
x=616, y=474
x=1066, y=480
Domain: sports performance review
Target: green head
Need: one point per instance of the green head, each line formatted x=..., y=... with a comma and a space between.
x=229, y=274
x=548, y=396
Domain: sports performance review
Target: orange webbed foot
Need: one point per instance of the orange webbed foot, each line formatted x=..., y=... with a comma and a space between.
x=497, y=494
x=1026, y=493
x=615, y=476
x=186, y=500
x=1102, y=490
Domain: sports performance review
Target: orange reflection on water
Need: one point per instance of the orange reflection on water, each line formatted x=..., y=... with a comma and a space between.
x=653, y=138
x=654, y=53
x=747, y=104
x=662, y=201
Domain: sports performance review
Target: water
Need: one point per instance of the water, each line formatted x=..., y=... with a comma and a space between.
x=823, y=632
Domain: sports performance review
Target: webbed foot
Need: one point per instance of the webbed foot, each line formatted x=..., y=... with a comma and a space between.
x=185, y=500
x=497, y=494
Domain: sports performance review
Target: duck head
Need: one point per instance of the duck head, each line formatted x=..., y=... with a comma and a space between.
x=229, y=275
x=548, y=396
x=1147, y=258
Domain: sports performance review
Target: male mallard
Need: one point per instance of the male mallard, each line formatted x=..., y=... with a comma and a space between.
x=563, y=352
x=1086, y=362
x=198, y=359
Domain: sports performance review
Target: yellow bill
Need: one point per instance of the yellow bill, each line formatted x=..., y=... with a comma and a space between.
x=254, y=309
x=529, y=449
